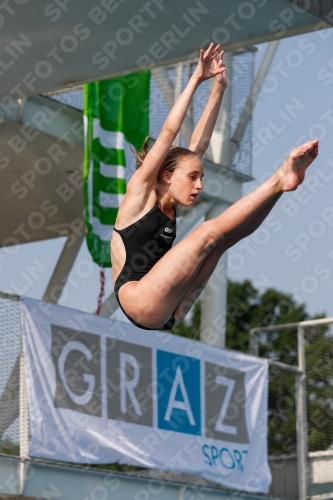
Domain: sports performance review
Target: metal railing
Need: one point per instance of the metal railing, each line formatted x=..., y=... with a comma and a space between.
x=305, y=460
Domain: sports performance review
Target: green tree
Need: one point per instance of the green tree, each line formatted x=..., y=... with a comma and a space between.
x=249, y=308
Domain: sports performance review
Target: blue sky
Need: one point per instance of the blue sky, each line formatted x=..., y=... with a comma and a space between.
x=293, y=250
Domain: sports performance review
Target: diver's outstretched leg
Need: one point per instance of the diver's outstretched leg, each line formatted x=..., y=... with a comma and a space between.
x=294, y=167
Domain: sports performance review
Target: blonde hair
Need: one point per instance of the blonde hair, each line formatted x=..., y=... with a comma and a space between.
x=170, y=162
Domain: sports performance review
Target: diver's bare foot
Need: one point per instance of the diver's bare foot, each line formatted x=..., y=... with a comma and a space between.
x=292, y=172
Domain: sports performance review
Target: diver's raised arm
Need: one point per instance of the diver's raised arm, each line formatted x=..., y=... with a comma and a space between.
x=203, y=131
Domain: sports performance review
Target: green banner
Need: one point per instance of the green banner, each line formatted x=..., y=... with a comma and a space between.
x=116, y=113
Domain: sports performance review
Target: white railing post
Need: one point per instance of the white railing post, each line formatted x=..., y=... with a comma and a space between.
x=301, y=419
x=254, y=344
x=24, y=419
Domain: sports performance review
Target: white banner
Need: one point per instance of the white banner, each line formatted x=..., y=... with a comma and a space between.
x=102, y=391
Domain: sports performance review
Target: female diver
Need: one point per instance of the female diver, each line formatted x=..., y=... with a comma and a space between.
x=156, y=285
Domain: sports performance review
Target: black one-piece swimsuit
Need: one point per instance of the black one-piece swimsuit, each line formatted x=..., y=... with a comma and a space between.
x=145, y=241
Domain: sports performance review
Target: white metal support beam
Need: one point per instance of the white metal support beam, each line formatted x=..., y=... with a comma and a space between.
x=221, y=135
x=109, y=306
x=177, y=91
x=214, y=296
x=252, y=98
x=63, y=267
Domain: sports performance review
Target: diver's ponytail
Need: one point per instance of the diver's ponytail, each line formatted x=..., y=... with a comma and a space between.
x=141, y=154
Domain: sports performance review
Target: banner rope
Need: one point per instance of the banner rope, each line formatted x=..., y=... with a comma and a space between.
x=102, y=290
